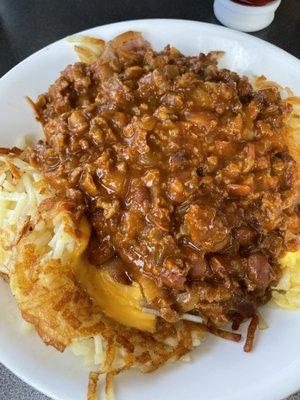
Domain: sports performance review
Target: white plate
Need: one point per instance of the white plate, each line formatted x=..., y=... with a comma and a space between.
x=219, y=369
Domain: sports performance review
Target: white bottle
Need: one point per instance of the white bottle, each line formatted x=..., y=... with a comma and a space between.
x=245, y=18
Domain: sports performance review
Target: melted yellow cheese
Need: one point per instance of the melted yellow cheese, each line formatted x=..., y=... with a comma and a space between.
x=122, y=303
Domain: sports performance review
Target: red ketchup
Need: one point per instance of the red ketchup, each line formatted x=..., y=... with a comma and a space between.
x=253, y=3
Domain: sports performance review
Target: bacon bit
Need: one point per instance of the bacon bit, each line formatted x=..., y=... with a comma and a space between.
x=250, y=333
x=235, y=337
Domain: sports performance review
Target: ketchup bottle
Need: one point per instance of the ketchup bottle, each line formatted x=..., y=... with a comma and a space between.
x=246, y=15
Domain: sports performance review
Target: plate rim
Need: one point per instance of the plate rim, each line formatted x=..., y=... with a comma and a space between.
x=293, y=58
x=291, y=378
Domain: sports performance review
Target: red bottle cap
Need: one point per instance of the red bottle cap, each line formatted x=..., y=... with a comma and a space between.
x=253, y=2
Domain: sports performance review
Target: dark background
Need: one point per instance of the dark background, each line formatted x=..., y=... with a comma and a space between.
x=28, y=25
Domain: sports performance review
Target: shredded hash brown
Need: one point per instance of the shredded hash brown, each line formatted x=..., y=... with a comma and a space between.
x=42, y=280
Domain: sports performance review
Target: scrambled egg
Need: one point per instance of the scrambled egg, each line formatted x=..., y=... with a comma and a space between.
x=287, y=293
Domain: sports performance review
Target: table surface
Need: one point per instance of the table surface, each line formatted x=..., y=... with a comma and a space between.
x=27, y=26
